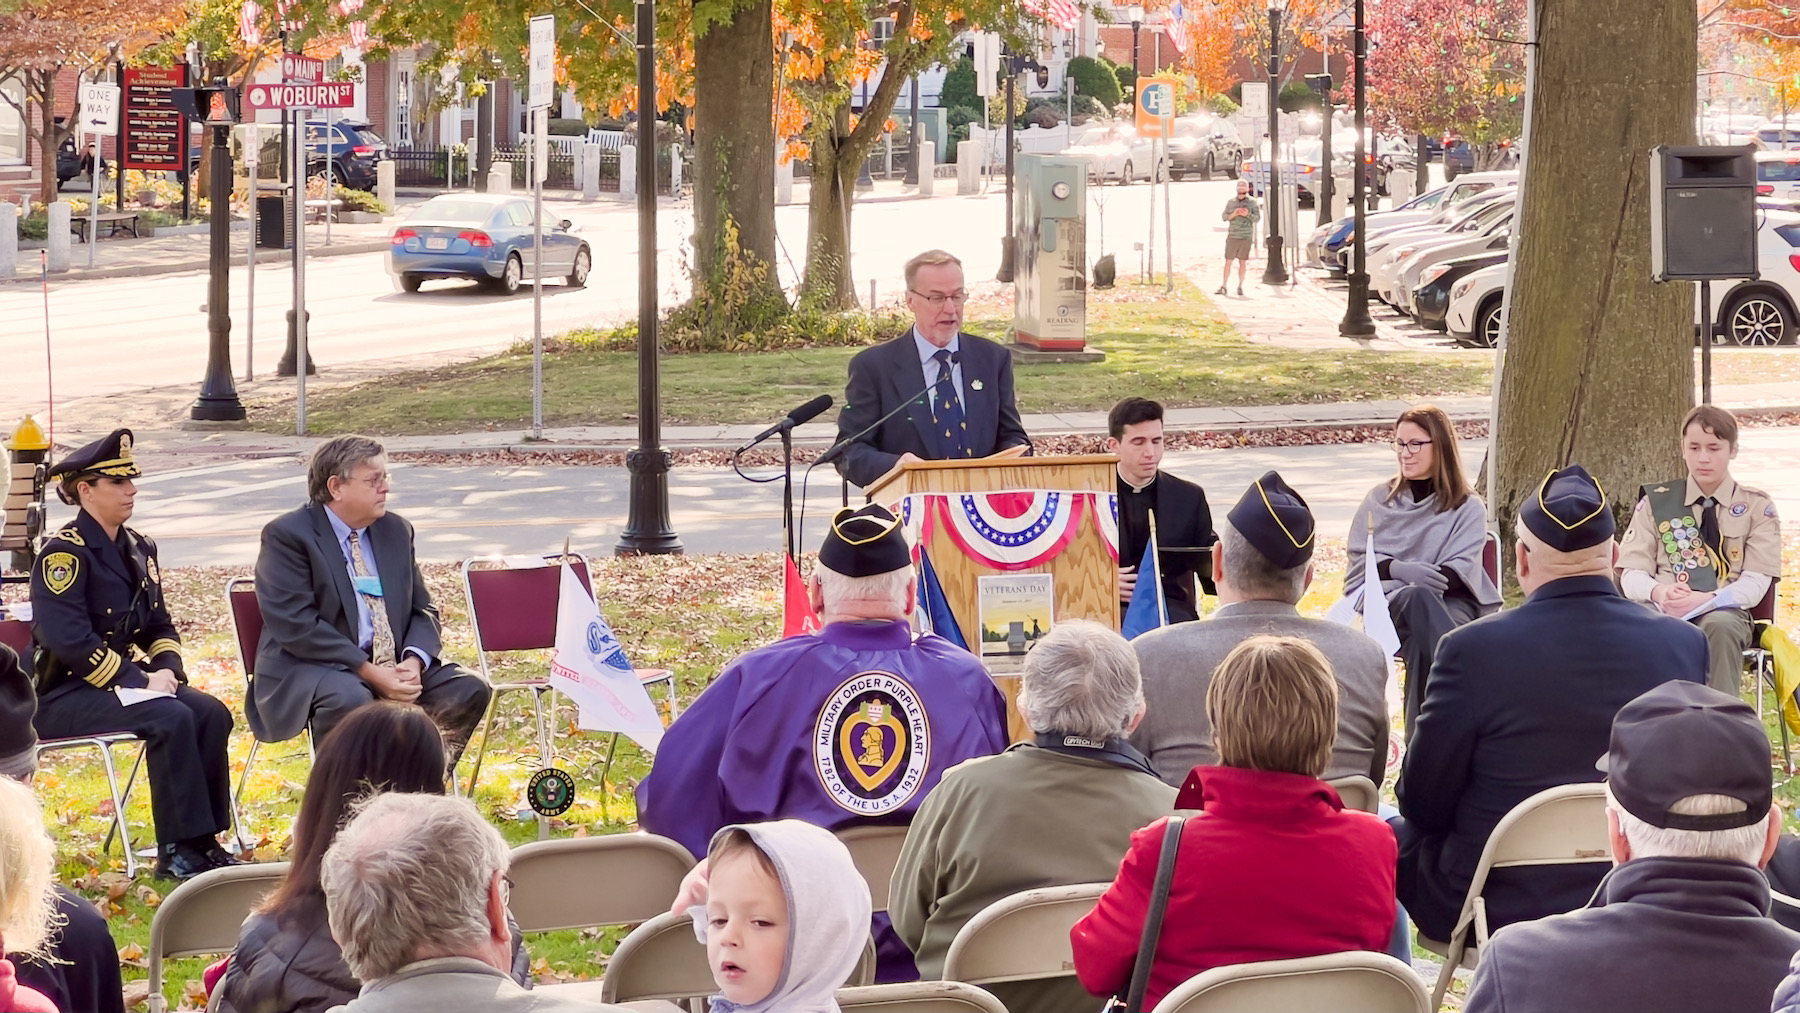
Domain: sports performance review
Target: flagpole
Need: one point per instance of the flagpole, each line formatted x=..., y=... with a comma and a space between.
x=1162, y=604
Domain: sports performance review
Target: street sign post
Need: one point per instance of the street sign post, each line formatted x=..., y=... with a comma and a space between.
x=327, y=95
x=1155, y=104
x=542, y=89
x=297, y=68
x=100, y=118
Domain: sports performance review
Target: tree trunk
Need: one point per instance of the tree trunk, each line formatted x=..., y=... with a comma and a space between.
x=1599, y=363
x=734, y=138
x=827, y=283
x=42, y=84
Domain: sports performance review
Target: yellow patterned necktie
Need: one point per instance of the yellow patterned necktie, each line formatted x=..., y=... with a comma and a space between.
x=381, y=643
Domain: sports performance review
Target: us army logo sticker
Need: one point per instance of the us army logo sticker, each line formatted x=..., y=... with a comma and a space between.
x=550, y=792
x=872, y=744
x=60, y=569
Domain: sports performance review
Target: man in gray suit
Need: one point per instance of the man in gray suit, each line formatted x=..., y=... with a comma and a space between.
x=1262, y=565
x=347, y=618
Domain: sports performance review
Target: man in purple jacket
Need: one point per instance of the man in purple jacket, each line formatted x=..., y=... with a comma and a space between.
x=849, y=726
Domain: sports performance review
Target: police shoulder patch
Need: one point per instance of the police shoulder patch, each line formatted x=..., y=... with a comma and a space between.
x=872, y=743
x=60, y=570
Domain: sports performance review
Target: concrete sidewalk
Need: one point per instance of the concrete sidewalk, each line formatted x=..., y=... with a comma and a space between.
x=191, y=251
x=197, y=446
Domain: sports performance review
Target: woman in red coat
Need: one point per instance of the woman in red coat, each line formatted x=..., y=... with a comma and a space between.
x=1274, y=867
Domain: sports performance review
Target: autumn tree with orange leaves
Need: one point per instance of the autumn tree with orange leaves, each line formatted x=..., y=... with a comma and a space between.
x=40, y=38
x=1766, y=34
x=1450, y=67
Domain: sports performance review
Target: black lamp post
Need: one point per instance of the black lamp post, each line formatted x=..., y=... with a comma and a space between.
x=216, y=106
x=1136, y=14
x=1275, y=273
x=1357, y=323
x=647, y=529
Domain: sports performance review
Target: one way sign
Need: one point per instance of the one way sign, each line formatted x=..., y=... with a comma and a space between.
x=100, y=109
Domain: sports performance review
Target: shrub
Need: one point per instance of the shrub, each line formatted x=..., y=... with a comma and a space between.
x=1043, y=116
x=1221, y=105
x=1094, y=80
x=959, y=118
x=1087, y=107
x=567, y=127
x=1127, y=82
x=959, y=86
x=1296, y=96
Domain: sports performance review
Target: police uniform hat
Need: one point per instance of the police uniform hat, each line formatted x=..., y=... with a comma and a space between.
x=1276, y=521
x=1568, y=511
x=864, y=542
x=1683, y=739
x=110, y=456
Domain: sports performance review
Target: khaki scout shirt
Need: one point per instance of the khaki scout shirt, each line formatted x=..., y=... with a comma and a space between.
x=1749, y=533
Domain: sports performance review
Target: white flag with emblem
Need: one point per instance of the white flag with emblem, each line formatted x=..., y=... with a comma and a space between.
x=591, y=667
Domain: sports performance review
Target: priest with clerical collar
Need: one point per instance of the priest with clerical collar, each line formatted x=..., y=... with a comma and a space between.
x=1183, y=520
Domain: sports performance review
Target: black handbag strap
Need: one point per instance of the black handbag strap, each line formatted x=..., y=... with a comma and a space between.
x=1153, y=919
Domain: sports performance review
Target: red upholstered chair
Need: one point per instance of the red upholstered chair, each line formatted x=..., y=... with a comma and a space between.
x=16, y=634
x=246, y=630
x=513, y=608
x=1490, y=557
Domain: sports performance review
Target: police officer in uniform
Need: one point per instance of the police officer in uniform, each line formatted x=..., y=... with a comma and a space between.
x=101, y=626
x=1706, y=543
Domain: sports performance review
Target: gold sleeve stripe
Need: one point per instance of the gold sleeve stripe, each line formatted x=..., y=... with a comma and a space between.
x=106, y=671
x=162, y=644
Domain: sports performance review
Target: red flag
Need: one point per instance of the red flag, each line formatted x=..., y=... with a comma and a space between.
x=797, y=615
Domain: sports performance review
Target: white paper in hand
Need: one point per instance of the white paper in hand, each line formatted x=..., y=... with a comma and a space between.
x=129, y=695
x=591, y=667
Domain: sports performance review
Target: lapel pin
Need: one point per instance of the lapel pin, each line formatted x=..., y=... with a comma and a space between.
x=975, y=384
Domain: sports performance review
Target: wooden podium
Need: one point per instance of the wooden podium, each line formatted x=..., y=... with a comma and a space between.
x=1085, y=576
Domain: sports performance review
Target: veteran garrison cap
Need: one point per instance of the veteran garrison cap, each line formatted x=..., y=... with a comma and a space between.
x=1683, y=739
x=864, y=542
x=110, y=456
x=1568, y=511
x=1272, y=517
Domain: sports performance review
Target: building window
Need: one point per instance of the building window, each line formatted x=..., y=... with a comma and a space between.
x=403, y=101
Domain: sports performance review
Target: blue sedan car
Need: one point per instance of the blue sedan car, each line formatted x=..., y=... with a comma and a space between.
x=486, y=237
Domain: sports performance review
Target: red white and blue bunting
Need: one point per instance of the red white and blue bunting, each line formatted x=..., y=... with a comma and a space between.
x=1106, y=519
x=1012, y=530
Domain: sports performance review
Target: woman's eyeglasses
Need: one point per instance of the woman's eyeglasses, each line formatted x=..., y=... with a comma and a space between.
x=1410, y=446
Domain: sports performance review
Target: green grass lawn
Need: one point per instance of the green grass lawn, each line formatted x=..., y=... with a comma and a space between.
x=1179, y=350
x=690, y=614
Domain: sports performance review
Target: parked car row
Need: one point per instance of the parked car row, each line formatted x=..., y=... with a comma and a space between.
x=1201, y=145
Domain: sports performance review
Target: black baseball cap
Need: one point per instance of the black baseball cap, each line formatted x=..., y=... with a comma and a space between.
x=1681, y=739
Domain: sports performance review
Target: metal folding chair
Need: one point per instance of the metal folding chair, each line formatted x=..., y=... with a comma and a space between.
x=513, y=608
x=246, y=630
x=16, y=633
x=203, y=915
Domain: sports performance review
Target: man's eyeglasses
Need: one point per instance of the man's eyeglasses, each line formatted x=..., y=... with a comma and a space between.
x=936, y=300
x=379, y=480
x=1410, y=446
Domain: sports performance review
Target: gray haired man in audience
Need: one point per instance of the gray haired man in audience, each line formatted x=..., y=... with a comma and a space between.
x=415, y=889
x=1054, y=811
x=1681, y=922
x=1262, y=565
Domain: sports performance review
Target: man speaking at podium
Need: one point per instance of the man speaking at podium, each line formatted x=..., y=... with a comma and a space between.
x=933, y=393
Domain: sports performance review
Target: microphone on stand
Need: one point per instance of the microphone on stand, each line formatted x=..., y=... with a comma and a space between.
x=805, y=413
x=839, y=447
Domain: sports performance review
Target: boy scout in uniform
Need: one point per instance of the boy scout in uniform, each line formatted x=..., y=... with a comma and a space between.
x=1706, y=548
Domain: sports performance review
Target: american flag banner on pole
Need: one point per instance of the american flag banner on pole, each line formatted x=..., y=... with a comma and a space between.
x=250, y=23
x=1175, y=23
x=1061, y=13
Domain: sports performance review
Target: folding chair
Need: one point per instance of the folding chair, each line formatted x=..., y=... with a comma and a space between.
x=1024, y=937
x=513, y=608
x=1490, y=556
x=918, y=997
x=1357, y=792
x=1353, y=982
x=582, y=882
x=875, y=851
x=246, y=631
x=203, y=915
x=1565, y=825
x=1762, y=616
x=16, y=634
x=662, y=959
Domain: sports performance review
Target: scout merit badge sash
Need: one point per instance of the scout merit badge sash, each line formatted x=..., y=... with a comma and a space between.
x=1679, y=541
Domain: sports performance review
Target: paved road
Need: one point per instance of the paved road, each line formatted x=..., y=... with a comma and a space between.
x=213, y=515
x=123, y=334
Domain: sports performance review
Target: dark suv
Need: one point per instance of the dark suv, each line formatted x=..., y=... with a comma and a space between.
x=1202, y=145
x=352, y=147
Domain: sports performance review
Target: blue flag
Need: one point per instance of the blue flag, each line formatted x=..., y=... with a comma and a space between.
x=1148, y=610
x=933, y=606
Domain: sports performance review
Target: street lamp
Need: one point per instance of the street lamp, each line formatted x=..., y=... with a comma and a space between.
x=647, y=529
x=1135, y=14
x=1357, y=322
x=1275, y=273
x=216, y=105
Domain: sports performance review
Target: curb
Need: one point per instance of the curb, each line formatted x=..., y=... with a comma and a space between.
x=237, y=260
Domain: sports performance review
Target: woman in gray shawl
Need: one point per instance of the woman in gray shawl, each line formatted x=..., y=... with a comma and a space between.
x=1429, y=531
